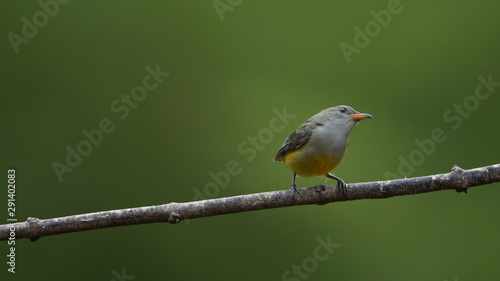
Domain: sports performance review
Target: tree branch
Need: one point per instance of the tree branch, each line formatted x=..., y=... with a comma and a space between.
x=457, y=179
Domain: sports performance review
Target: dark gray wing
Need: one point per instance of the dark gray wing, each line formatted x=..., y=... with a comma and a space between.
x=297, y=139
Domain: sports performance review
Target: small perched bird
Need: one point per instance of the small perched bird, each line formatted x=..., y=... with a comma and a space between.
x=319, y=145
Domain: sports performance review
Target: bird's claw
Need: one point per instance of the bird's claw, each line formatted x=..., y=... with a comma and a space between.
x=340, y=183
x=342, y=186
x=295, y=190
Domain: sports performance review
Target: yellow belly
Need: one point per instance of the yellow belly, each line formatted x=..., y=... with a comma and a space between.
x=307, y=165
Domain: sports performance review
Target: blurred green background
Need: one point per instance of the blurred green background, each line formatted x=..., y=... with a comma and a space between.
x=231, y=63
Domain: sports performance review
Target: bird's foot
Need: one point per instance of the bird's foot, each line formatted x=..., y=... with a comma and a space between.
x=340, y=183
x=342, y=186
x=295, y=190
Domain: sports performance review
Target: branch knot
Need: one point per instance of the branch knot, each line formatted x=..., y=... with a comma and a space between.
x=458, y=174
x=32, y=229
x=174, y=217
x=320, y=188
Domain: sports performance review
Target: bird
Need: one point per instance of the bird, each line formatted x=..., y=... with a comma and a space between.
x=317, y=146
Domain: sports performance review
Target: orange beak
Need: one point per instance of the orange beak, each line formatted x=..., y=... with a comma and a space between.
x=360, y=116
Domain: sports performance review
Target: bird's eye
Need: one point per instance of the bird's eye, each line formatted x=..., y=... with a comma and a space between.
x=343, y=109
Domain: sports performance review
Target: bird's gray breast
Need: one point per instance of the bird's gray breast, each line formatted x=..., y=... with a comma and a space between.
x=330, y=140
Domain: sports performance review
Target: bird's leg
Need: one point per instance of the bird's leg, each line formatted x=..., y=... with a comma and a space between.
x=341, y=184
x=295, y=190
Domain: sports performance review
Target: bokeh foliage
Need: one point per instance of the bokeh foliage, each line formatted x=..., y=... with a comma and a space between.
x=226, y=77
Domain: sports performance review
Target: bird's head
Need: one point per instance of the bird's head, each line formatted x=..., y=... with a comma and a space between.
x=343, y=116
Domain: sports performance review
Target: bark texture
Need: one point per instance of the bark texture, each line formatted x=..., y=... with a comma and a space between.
x=458, y=179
